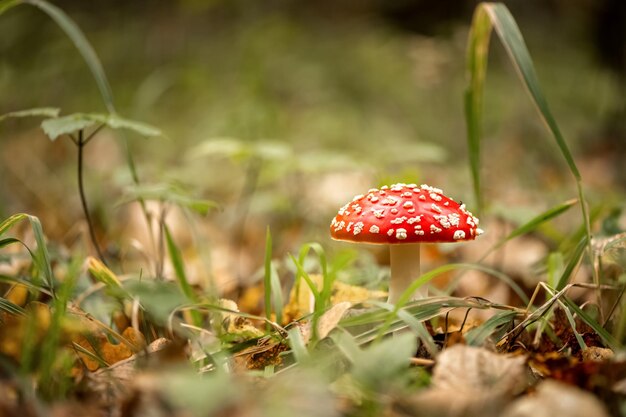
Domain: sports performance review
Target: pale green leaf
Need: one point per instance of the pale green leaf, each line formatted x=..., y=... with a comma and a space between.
x=34, y=112
x=72, y=123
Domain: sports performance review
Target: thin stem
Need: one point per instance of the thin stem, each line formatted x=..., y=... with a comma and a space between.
x=92, y=134
x=83, y=199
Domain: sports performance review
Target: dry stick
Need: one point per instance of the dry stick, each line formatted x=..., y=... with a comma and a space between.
x=81, y=142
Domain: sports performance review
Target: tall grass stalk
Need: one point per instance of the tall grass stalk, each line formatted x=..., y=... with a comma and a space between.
x=496, y=16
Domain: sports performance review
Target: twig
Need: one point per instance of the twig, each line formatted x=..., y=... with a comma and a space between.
x=81, y=190
x=422, y=362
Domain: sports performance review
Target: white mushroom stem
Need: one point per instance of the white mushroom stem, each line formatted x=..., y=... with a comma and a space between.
x=405, y=268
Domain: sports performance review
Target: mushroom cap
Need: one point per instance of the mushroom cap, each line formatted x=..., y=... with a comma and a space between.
x=404, y=213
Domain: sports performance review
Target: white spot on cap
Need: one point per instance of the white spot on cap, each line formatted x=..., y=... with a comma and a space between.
x=407, y=194
x=412, y=220
x=479, y=232
x=379, y=214
x=389, y=201
x=454, y=219
x=436, y=197
x=443, y=221
x=357, y=197
x=401, y=234
x=394, y=210
x=374, y=229
x=407, y=204
x=436, y=208
x=459, y=234
x=398, y=220
x=349, y=226
x=358, y=227
x=389, y=232
x=434, y=229
x=422, y=197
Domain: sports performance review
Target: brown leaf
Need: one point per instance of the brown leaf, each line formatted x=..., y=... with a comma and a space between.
x=557, y=399
x=471, y=369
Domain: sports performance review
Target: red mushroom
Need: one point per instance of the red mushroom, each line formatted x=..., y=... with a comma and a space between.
x=403, y=216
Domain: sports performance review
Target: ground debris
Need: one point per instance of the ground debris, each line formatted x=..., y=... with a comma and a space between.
x=556, y=399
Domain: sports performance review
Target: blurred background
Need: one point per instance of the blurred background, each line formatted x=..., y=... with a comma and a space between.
x=280, y=111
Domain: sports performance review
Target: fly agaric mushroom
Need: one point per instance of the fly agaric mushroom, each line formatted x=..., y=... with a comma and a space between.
x=403, y=216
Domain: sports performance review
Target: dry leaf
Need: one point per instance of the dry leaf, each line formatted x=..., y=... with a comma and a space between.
x=301, y=301
x=557, y=399
x=471, y=369
x=447, y=403
x=17, y=294
x=331, y=318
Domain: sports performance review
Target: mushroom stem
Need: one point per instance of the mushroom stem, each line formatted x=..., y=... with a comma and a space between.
x=405, y=268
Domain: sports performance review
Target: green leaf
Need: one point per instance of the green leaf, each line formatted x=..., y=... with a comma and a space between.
x=378, y=364
x=66, y=125
x=72, y=123
x=237, y=149
x=35, y=112
x=170, y=193
x=144, y=129
x=158, y=298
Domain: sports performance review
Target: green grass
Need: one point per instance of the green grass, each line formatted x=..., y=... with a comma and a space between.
x=365, y=360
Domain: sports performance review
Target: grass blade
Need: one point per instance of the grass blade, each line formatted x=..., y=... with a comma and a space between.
x=569, y=269
x=181, y=276
x=273, y=292
x=601, y=331
x=42, y=257
x=9, y=222
x=478, y=335
x=11, y=308
x=477, y=53
x=324, y=295
x=77, y=37
x=538, y=220
x=267, y=280
x=489, y=16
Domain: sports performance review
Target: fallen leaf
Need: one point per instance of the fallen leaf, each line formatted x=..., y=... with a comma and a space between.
x=301, y=300
x=556, y=399
x=447, y=403
x=472, y=369
x=17, y=294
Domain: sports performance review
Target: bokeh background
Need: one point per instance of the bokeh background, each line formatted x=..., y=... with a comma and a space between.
x=280, y=111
